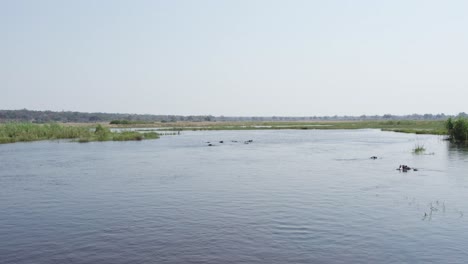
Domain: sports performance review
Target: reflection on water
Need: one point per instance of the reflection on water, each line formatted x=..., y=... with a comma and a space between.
x=289, y=196
x=458, y=149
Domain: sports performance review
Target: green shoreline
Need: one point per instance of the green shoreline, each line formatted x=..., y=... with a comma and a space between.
x=27, y=132
x=85, y=132
x=403, y=126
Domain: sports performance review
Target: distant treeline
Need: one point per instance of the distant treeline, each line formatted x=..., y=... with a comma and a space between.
x=80, y=117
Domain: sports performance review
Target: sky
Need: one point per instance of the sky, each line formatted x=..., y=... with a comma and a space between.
x=235, y=57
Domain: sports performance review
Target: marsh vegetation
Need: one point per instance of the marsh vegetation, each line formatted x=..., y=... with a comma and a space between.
x=434, y=127
x=457, y=129
x=14, y=132
x=419, y=149
x=24, y=132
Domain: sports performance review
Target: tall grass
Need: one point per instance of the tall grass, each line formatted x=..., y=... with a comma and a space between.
x=22, y=132
x=419, y=149
x=435, y=127
x=457, y=129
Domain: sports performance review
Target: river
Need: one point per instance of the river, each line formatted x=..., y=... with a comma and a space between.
x=289, y=196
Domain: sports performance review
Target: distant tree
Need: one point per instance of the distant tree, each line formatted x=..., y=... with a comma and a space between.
x=94, y=118
x=457, y=129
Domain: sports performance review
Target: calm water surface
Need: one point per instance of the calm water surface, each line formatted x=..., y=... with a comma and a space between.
x=291, y=196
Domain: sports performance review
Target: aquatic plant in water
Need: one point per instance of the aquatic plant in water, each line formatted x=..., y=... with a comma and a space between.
x=419, y=148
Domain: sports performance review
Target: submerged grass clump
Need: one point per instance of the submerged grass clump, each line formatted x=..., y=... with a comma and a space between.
x=419, y=149
x=24, y=132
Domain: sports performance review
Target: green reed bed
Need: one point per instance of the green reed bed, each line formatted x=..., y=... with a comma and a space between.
x=102, y=133
x=24, y=132
x=434, y=127
x=457, y=129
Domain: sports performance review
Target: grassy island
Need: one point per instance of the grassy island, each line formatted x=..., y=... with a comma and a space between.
x=434, y=127
x=456, y=130
x=24, y=132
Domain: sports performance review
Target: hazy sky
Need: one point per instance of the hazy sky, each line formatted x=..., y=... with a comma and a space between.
x=238, y=57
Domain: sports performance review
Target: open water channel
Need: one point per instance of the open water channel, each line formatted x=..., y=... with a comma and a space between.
x=289, y=196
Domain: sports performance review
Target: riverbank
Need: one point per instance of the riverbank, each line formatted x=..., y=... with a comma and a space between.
x=86, y=132
x=404, y=126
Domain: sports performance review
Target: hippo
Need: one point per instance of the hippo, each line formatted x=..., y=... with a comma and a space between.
x=405, y=168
